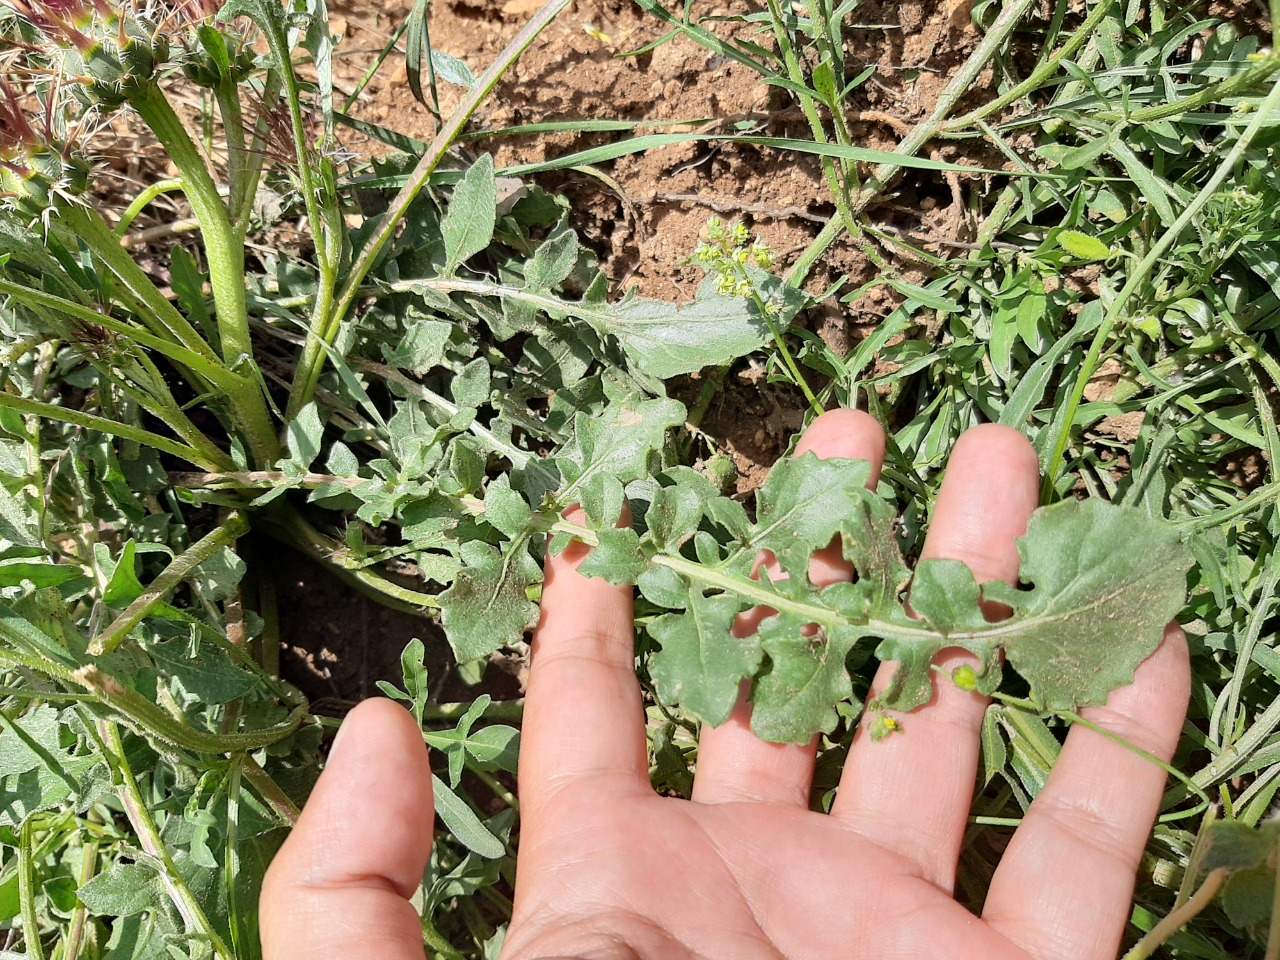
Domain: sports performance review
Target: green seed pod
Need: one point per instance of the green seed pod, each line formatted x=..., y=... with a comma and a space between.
x=139, y=60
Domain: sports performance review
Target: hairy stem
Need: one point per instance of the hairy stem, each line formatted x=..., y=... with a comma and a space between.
x=182, y=566
x=135, y=808
x=224, y=250
x=1041, y=73
x=27, y=891
x=1180, y=917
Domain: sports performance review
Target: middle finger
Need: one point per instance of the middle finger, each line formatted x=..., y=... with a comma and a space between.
x=733, y=763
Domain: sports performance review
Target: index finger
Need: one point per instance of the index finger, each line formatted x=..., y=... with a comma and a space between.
x=583, y=716
x=341, y=884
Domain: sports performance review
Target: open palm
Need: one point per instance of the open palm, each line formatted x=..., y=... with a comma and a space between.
x=607, y=869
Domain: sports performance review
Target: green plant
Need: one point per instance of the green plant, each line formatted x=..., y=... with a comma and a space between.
x=435, y=377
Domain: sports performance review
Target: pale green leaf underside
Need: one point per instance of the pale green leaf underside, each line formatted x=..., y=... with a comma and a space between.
x=665, y=341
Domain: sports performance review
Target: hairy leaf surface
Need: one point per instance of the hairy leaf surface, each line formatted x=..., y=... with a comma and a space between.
x=1101, y=582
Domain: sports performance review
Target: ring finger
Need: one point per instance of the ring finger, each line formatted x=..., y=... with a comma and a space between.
x=910, y=793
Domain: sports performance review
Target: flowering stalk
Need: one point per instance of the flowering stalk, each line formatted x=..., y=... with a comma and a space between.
x=729, y=254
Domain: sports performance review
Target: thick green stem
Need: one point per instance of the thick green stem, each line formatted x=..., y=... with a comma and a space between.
x=238, y=166
x=1179, y=918
x=224, y=250
x=287, y=526
x=27, y=891
x=79, y=921
x=320, y=338
x=234, y=527
x=152, y=722
x=1213, y=93
x=270, y=791
x=135, y=808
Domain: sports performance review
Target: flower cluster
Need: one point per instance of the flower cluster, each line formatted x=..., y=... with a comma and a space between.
x=729, y=253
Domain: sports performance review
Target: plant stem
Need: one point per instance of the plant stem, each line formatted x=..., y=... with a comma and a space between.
x=152, y=722
x=27, y=891
x=1054, y=466
x=796, y=376
x=1179, y=918
x=181, y=567
x=270, y=791
x=308, y=374
x=1210, y=94
x=204, y=364
x=294, y=531
x=498, y=790
x=227, y=94
x=88, y=226
x=837, y=177
x=504, y=710
x=517, y=457
x=125, y=431
x=1040, y=74
x=80, y=915
x=439, y=947
x=144, y=827
x=1010, y=15
x=1258, y=499
x=142, y=201
x=224, y=250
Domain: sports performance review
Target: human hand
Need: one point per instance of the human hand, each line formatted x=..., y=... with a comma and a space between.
x=608, y=869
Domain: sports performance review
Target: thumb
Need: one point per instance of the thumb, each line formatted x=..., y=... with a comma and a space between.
x=341, y=884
